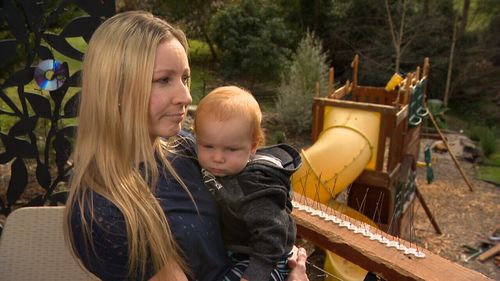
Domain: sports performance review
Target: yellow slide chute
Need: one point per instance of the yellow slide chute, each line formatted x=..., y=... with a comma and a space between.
x=340, y=268
x=346, y=146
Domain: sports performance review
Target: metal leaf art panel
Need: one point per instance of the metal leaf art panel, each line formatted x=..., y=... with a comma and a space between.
x=39, y=93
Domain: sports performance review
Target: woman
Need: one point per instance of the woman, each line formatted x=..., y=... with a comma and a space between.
x=137, y=207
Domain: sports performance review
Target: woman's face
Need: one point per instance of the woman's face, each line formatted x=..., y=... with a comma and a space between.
x=170, y=90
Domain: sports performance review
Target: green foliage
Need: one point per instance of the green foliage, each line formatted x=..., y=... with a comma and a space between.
x=201, y=81
x=437, y=110
x=199, y=52
x=316, y=15
x=298, y=84
x=252, y=40
x=201, y=73
x=488, y=143
x=23, y=49
x=487, y=138
x=494, y=159
x=490, y=171
x=278, y=137
x=476, y=132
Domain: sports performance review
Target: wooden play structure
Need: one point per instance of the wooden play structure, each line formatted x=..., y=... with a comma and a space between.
x=366, y=142
x=386, y=126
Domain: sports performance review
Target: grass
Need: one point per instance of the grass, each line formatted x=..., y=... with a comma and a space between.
x=490, y=174
x=6, y=121
x=201, y=80
x=202, y=74
x=486, y=137
x=490, y=170
x=199, y=52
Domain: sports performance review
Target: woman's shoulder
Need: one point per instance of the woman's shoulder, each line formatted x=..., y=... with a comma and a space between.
x=182, y=144
x=97, y=208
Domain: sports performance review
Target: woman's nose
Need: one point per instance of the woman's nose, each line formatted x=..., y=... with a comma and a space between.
x=184, y=95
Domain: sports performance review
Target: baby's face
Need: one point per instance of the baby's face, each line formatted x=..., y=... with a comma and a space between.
x=224, y=147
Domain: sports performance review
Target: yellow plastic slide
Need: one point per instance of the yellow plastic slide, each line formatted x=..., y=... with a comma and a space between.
x=340, y=268
x=346, y=146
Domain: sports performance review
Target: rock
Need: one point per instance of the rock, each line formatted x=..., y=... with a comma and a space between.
x=470, y=151
x=439, y=146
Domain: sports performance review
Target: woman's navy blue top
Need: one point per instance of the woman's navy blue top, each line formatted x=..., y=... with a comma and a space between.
x=197, y=232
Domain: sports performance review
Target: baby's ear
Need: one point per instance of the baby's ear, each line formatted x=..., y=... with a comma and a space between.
x=254, y=148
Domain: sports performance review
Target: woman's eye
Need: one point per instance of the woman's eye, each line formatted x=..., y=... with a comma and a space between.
x=164, y=80
x=186, y=80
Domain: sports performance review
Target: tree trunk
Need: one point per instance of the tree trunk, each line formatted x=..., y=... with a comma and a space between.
x=465, y=17
x=426, y=7
x=447, y=93
x=400, y=39
x=210, y=44
x=396, y=40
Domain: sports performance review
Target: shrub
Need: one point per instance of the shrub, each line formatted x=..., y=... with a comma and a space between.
x=476, y=132
x=278, y=137
x=298, y=85
x=437, y=110
x=487, y=138
x=488, y=142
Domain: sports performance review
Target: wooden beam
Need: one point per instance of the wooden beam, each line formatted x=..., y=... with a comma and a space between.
x=384, y=109
x=489, y=253
x=318, y=119
x=388, y=263
x=331, y=81
x=402, y=114
x=354, y=66
x=376, y=178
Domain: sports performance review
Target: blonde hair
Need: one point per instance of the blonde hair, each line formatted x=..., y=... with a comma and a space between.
x=227, y=102
x=113, y=155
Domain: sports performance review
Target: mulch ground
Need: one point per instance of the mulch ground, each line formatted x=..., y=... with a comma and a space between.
x=466, y=218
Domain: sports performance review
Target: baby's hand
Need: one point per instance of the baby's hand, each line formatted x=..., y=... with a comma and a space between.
x=297, y=264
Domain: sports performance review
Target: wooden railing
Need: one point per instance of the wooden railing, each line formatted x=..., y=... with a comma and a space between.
x=386, y=262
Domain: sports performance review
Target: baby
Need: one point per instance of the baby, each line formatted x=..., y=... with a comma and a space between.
x=251, y=184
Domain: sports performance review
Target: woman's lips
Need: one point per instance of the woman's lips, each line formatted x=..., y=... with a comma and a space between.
x=175, y=116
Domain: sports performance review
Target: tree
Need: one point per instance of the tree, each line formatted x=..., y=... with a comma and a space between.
x=418, y=30
x=465, y=16
x=359, y=27
x=195, y=15
x=253, y=40
x=474, y=86
x=450, y=63
x=130, y=5
x=397, y=37
x=298, y=84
